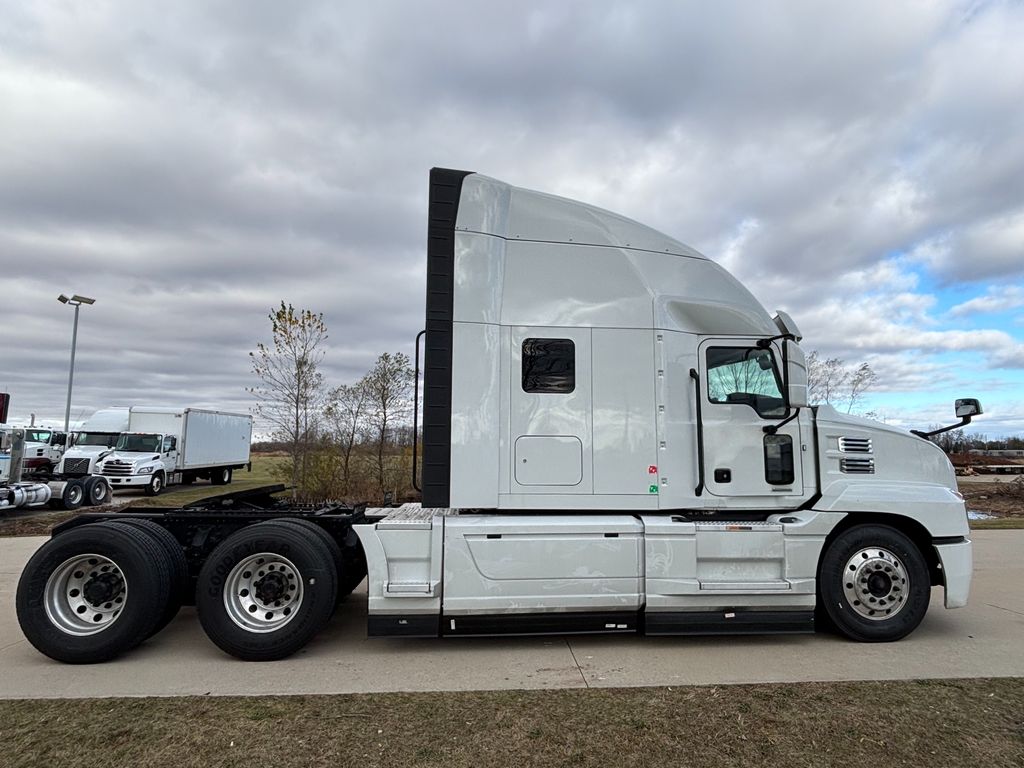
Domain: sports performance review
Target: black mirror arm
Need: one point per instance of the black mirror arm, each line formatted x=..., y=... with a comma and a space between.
x=765, y=343
x=964, y=421
x=771, y=429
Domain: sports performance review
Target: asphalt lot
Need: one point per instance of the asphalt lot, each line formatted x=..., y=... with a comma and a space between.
x=982, y=640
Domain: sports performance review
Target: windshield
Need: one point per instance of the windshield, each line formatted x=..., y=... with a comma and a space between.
x=104, y=439
x=138, y=443
x=37, y=435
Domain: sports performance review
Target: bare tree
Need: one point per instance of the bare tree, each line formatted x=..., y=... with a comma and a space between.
x=832, y=382
x=388, y=384
x=861, y=380
x=291, y=386
x=346, y=413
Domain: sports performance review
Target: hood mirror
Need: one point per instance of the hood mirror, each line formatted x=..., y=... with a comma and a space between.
x=967, y=407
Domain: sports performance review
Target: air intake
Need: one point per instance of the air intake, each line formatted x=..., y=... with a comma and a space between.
x=858, y=466
x=855, y=444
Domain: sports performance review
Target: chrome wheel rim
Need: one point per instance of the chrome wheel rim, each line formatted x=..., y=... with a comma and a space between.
x=157, y=483
x=876, y=584
x=75, y=493
x=85, y=594
x=263, y=592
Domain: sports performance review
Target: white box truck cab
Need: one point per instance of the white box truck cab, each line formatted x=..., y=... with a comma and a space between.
x=616, y=438
x=166, y=446
x=97, y=436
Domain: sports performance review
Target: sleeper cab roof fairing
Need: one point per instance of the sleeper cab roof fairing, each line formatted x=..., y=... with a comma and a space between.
x=623, y=275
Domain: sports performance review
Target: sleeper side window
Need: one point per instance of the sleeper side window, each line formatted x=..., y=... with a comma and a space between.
x=745, y=376
x=549, y=365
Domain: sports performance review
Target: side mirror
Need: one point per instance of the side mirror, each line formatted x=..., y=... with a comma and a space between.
x=796, y=374
x=967, y=407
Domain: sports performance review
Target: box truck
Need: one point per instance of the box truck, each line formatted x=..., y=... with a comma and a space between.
x=165, y=446
x=616, y=439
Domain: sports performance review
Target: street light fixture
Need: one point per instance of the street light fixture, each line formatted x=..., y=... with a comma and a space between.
x=75, y=301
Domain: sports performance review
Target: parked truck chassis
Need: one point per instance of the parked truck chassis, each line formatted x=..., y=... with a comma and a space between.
x=236, y=555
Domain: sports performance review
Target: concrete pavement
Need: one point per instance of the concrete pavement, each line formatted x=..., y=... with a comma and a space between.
x=982, y=640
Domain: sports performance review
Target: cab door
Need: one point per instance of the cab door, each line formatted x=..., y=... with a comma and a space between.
x=741, y=391
x=169, y=452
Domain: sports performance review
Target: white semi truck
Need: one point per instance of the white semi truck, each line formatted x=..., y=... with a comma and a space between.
x=95, y=437
x=42, y=451
x=18, y=489
x=616, y=438
x=165, y=446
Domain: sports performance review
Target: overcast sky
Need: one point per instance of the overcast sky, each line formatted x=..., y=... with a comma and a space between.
x=860, y=165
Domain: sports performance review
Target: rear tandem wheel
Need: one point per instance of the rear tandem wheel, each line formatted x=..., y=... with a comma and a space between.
x=91, y=593
x=266, y=591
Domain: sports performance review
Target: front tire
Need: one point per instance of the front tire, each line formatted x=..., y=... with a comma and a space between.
x=266, y=591
x=874, y=584
x=156, y=485
x=87, y=595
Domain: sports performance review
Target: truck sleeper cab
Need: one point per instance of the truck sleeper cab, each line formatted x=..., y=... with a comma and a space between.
x=615, y=425
x=616, y=438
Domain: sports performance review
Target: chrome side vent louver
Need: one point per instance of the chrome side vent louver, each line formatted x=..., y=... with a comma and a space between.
x=857, y=466
x=855, y=444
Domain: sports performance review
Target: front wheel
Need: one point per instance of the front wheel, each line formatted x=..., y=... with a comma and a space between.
x=874, y=584
x=156, y=485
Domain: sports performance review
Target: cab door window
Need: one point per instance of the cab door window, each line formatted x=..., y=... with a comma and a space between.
x=745, y=376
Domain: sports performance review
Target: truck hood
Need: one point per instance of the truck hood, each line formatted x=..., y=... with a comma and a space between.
x=86, y=451
x=897, y=454
x=131, y=457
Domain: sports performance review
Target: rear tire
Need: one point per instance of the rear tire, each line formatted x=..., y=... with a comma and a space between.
x=220, y=476
x=176, y=562
x=874, y=584
x=266, y=591
x=354, y=573
x=95, y=491
x=349, y=564
x=72, y=496
x=81, y=616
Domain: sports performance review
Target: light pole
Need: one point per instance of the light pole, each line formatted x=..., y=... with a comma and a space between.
x=75, y=301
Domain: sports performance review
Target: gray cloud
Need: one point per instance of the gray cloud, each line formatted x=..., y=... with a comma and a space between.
x=193, y=164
